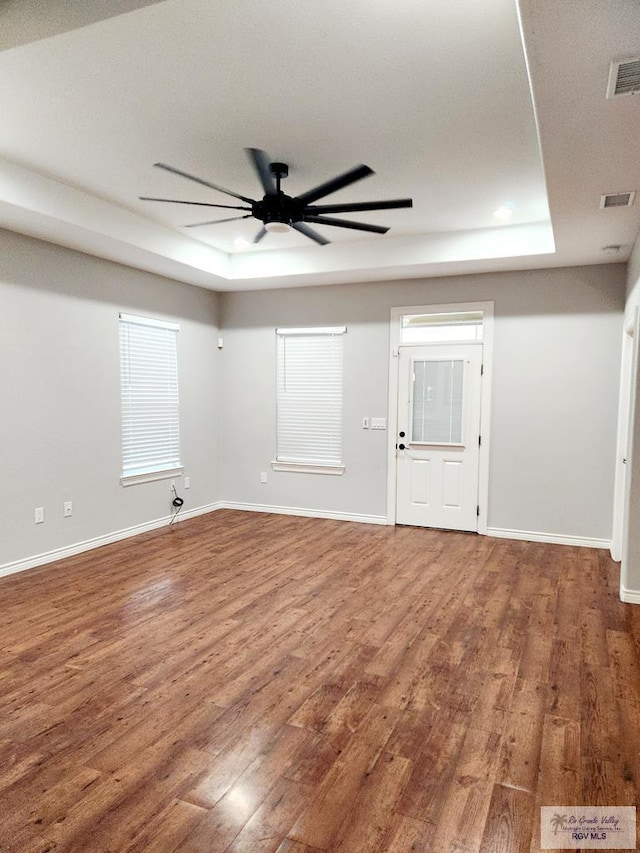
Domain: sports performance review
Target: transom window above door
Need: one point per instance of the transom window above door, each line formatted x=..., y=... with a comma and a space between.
x=463, y=327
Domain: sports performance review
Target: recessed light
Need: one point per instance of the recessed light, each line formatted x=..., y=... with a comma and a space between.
x=504, y=213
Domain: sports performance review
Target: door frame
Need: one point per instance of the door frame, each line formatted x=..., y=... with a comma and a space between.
x=485, y=404
x=625, y=407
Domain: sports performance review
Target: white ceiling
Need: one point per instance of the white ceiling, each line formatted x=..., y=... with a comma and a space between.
x=462, y=106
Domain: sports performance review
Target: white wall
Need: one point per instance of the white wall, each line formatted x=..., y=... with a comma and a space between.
x=555, y=391
x=556, y=355
x=59, y=395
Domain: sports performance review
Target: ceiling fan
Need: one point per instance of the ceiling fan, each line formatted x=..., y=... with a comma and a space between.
x=279, y=212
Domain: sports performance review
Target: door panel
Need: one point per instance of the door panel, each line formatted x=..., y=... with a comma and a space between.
x=452, y=484
x=438, y=422
x=420, y=481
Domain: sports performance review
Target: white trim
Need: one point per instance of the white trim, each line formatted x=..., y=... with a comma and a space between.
x=443, y=444
x=631, y=449
x=149, y=321
x=307, y=467
x=313, y=330
x=551, y=538
x=440, y=344
x=630, y=596
x=622, y=445
x=150, y=476
x=99, y=541
x=136, y=530
x=485, y=411
x=306, y=513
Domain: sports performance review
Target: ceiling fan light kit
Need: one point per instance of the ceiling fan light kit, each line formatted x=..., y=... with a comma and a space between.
x=276, y=227
x=279, y=212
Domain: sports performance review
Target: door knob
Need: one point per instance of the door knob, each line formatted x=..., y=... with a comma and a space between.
x=401, y=447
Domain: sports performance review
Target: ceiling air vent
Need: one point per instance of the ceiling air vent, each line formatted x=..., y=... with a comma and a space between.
x=617, y=199
x=624, y=77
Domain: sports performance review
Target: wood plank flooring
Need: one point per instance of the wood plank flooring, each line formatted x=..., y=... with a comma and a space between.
x=249, y=683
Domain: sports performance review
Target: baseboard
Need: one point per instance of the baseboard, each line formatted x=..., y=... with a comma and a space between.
x=551, y=538
x=136, y=530
x=79, y=547
x=630, y=596
x=107, y=539
x=307, y=513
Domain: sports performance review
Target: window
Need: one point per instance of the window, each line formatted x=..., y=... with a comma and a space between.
x=441, y=328
x=437, y=401
x=149, y=395
x=309, y=400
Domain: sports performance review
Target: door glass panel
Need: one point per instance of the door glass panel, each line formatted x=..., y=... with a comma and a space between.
x=437, y=401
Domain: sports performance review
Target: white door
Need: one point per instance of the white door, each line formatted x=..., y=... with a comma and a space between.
x=439, y=389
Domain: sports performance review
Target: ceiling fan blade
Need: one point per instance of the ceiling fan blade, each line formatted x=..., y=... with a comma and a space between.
x=346, y=223
x=309, y=232
x=261, y=163
x=198, y=203
x=359, y=205
x=217, y=221
x=204, y=183
x=261, y=233
x=355, y=174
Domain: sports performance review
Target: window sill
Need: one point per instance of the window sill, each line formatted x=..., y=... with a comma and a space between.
x=151, y=476
x=308, y=468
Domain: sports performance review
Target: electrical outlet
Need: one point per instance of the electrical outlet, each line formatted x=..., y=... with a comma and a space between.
x=187, y=482
x=67, y=509
x=39, y=515
x=263, y=477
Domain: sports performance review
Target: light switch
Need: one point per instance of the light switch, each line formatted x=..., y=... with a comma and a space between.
x=378, y=423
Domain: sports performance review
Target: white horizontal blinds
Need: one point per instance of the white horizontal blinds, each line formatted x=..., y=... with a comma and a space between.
x=309, y=395
x=437, y=401
x=149, y=392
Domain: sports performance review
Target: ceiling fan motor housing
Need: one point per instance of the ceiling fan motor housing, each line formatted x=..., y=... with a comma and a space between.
x=278, y=208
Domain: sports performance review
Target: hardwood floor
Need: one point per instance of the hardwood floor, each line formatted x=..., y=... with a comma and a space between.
x=248, y=683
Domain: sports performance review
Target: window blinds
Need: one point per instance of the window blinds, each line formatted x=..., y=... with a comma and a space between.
x=437, y=401
x=309, y=395
x=149, y=394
